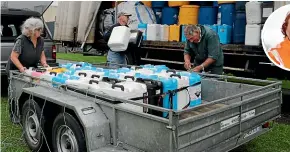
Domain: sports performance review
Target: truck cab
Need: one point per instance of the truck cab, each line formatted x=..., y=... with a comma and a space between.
x=11, y=21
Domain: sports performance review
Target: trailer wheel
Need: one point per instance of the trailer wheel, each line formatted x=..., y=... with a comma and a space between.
x=67, y=134
x=32, y=125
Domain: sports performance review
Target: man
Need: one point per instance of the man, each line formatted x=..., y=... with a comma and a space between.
x=117, y=57
x=203, y=43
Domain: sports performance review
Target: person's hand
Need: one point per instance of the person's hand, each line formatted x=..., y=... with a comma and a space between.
x=22, y=70
x=197, y=69
x=187, y=65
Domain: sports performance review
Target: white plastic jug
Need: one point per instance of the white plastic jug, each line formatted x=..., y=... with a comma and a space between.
x=254, y=12
x=153, y=32
x=119, y=38
x=164, y=32
x=253, y=35
x=82, y=84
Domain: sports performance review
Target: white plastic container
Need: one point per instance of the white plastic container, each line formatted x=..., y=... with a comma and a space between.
x=164, y=32
x=253, y=35
x=254, y=12
x=82, y=84
x=153, y=32
x=119, y=38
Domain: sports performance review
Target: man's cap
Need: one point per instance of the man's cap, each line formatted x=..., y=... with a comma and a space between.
x=124, y=14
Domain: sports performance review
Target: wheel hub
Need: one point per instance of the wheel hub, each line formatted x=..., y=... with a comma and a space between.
x=66, y=140
x=32, y=127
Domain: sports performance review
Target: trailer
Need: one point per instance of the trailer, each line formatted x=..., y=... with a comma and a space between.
x=69, y=119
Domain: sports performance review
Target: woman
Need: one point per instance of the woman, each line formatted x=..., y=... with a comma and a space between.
x=28, y=49
x=281, y=54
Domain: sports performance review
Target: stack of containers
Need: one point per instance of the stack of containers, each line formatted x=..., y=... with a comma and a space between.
x=254, y=20
x=239, y=26
x=226, y=16
x=188, y=15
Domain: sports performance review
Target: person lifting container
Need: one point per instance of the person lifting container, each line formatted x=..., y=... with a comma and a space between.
x=204, y=44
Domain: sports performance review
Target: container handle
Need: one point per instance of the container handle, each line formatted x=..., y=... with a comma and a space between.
x=93, y=81
x=53, y=73
x=175, y=75
x=40, y=70
x=82, y=73
x=106, y=79
x=173, y=71
x=131, y=77
x=95, y=76
x=118, y=86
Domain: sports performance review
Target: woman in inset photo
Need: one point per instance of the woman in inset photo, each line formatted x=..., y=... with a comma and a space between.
x=281, y=53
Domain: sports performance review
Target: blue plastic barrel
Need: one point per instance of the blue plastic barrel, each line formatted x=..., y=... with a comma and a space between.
x=239, y=28
x=207, y=15
x=143, y=29
x=241, y=5
x=227, y=14
x=225, y=34
x=183, y=37
x=213, y=27
x=158, y=3
x=215, y=4
x=158, y=14
x=169, y=15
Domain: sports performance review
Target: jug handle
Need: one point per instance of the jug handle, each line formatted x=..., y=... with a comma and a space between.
x=118, y=86
x=81, y=73
x=175, y=75
x=53, y=73
x=127, y=76
x=40, y=70
x=171, y=71
x=93, y=81
x=94, y=75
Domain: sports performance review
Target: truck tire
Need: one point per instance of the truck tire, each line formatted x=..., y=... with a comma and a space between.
x=67, y=134
x=33, y=125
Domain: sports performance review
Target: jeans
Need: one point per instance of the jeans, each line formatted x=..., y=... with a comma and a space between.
x=115, y=58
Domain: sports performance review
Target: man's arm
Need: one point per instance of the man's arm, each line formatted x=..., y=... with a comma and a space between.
x=187, y=57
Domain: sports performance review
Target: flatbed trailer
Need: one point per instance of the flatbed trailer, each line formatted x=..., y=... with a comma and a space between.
x=230, y=115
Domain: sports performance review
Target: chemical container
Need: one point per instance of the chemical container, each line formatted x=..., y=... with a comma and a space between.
x=169, y=16
x=253, y=34
x=227, y=14
x=226, y=2
x=188, y=14
x=206, y=3
x=158, y=14
x=225, y=34
x=164, y=32
x=147, y=3
x=254, y=12
x=194, y=81
x=158, y=3
x=207, y=15
x=143, y=29
x=213, y=27
x=153, y=32
x=215, y=4
x=119, y=38
x=177, y=3
x=239, y=28
x=267, y=9
x=174, y=33
x=241, y=5
x=183, y=37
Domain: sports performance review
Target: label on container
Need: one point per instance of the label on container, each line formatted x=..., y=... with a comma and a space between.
x=194, y=92
x=234, y=120
x=252, y=132
x=267, y=12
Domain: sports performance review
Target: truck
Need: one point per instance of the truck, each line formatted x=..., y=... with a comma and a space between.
x=68, y=119
x=12, y=19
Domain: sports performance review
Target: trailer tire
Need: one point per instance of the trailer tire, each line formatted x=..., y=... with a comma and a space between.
x=67, y=134
x=33, y=125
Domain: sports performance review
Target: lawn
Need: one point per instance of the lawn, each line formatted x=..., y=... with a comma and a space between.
x=81, y=58
x=277, y=140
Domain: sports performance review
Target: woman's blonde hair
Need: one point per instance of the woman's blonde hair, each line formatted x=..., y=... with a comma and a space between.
x=30, y=25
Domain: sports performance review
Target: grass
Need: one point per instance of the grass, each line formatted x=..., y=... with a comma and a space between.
x=277, y=140
x=11, y=134
x=81, y=58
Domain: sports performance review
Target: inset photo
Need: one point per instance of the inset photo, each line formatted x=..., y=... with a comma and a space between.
x=276, y=37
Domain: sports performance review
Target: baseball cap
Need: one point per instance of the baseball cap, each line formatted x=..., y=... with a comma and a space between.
x=124, y=14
